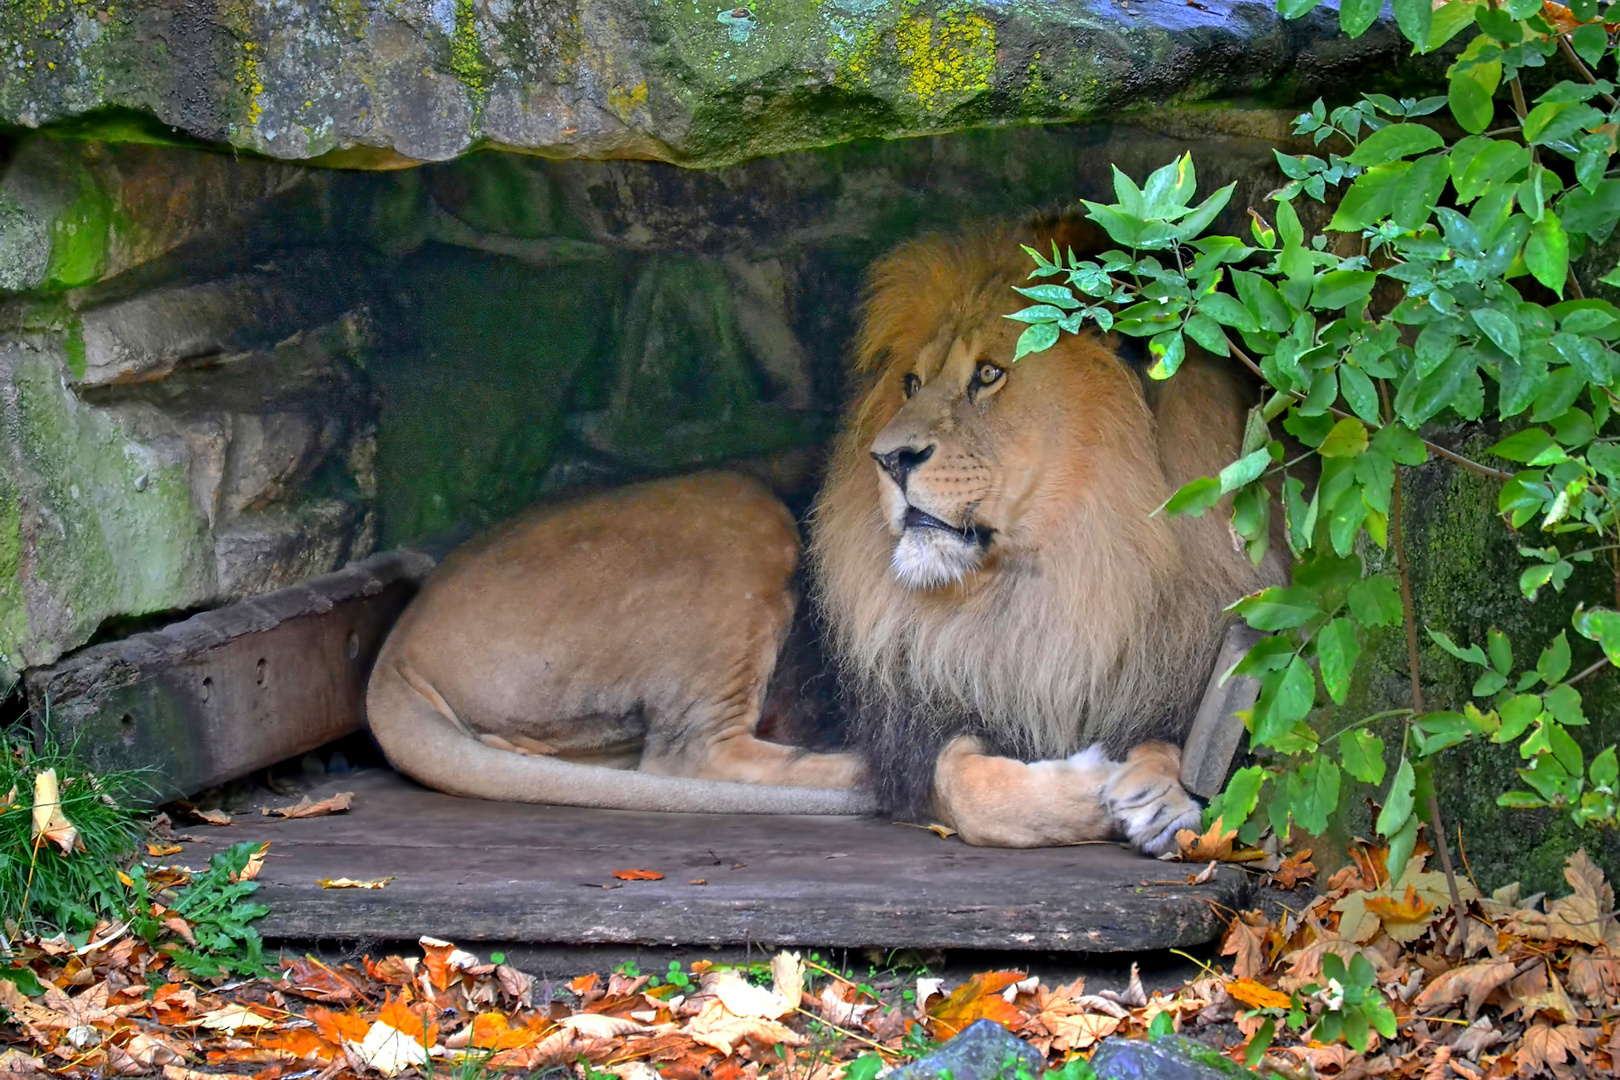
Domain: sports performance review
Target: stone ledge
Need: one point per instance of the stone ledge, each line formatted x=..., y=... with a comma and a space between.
x=225, y=692
x=368, y=84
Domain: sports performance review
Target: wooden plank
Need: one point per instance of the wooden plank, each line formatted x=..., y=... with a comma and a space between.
x=228, y=691
x=467, y=870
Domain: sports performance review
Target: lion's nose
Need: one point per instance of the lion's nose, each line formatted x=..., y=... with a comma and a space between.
x=900, y=463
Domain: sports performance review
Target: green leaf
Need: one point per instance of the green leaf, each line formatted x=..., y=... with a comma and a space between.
x=1500, y=328
x=1246, y=470
x=1168, y=350
x=1194, y=497
x=1285, y=698
x=1394, y=142
x=1546, y=253
x=1038, y=337
x=1517, y=713
x=1554, y=662
x=1473, y=654
x=1501, y=650
x=1397, y=804
x=1058, y=295
x=1241, y=796
x=1169, y=187
x=1228, y=311
x=1342, y=288
x=1564, y=703
x=1400, y=443
x=1347, y=439
x=1196, y=222
x=1602, y=626
x=1419, y=190
x=1520, y=800
x=1420, y=398
x=1314, y=793
x=1449, y=21
x=1477, y=163
x=1038, y=314
x=1415, y=18
x=1368, y=198
x=1436, y=731
x=1278, y=608
x=1532, y=446
x=1356, y=15
x=1375, y=601
x=1262, y=300
x=1359, y=392
x=1590, y=42
x=1337, y=650
x=1472, y=89
x=1363, y=755
x=1605, y=769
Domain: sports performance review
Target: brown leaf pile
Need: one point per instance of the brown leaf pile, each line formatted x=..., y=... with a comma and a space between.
x=1511, y=986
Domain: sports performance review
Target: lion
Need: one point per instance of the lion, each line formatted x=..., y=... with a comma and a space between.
x=1025, y=638
x=1021, y=637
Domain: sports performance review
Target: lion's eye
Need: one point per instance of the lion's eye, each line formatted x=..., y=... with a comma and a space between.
x=987, y=373
x=910, y=385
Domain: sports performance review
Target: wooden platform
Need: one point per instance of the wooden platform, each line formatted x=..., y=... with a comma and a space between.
x=468, y=871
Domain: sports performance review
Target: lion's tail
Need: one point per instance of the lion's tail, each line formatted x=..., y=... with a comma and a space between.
x=424, y=739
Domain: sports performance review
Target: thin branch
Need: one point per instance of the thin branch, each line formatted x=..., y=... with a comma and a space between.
x=1596, y=667
x=1586, y=72
x=1398, y=537
x=1439, y=451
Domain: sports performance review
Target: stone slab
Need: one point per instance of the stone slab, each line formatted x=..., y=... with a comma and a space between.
x=467, y=870
x=373, y=84
x=229, y=691
x=1217, y=730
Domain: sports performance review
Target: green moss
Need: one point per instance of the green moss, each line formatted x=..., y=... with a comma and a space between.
x=81, y=236
x=466, y=55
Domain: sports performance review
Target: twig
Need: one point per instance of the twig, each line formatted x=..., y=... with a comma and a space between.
x=1596, y=667
x=879, y=1047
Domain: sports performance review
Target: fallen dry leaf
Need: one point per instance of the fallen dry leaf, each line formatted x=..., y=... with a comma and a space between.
x=977, y=999
x=388, y=1050
x=158, y=851
x=1547, y=1047
x=638, y=875
x=212, y=817
x=718, y=1027
x=351, y=883
x=233, y=1018
x=1256, y=995
x=337, y=804
x=1473, y=983
x=1245, y=942
x=1295, y=870
x=743, y=999
x=787, y=976
x=1216, y=843
x=49, y=821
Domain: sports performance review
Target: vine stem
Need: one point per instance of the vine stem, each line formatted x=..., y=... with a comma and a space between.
x=1398, y=538
x=1475, y=467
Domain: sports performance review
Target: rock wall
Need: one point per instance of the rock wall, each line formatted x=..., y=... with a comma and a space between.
x=388, y=82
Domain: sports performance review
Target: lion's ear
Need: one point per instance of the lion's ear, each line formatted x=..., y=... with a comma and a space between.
x=1072, y=232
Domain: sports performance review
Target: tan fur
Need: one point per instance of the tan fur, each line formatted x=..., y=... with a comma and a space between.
x=611, y=652
x=1087, y=618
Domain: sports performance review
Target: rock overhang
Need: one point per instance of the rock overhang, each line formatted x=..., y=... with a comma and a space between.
x=381, y=83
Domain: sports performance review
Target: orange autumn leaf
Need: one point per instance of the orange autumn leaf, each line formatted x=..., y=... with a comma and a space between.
x=337, y=1028
x=638, y=875
x=977, y=999
x=1409, y=909
x=300, y=1044
x=413, y=1020
x=158, y=851
x=492, y=1031
x=1213, y=844
x=1295, y=869
x=584, y=984
x=1257, y=995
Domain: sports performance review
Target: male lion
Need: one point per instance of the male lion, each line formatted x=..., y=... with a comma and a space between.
x=1000, y=596
x=1003, y=605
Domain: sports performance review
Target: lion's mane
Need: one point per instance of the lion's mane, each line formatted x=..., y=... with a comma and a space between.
x=1107, y=632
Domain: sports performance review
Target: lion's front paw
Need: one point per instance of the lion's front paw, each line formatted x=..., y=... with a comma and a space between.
x=1146, y=801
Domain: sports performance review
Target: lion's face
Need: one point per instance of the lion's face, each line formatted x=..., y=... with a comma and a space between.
x=977, y=452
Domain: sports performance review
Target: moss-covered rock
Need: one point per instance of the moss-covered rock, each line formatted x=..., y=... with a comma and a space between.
x=1465, y=568
x=376, y=83
x=73, y=213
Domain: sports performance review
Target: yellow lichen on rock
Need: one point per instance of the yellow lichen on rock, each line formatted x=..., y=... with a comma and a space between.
x=947, y=56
